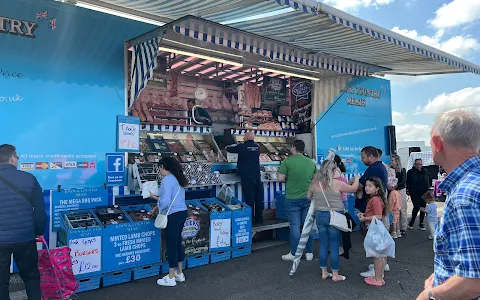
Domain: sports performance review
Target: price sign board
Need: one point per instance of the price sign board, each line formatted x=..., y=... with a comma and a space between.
x=128, y=134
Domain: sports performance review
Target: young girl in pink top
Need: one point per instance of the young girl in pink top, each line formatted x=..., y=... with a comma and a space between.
x=377, y=206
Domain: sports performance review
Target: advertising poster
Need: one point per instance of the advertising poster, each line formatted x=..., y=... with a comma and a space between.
x=301, y=98
x=134, y=245
x=358, y=119
x=62, y=87
x=75, y=199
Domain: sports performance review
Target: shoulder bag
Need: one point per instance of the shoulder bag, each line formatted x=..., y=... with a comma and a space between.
x=337, y=220
x=16, y=190
x=162, y=219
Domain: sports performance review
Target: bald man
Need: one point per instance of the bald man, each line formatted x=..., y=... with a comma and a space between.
x=248, y=167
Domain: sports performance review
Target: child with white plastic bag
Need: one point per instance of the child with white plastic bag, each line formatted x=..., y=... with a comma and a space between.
x=378, y=242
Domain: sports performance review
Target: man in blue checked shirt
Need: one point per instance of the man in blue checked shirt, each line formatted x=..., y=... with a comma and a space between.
x=455, y=141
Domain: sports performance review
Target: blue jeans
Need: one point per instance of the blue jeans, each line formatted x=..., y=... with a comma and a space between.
x=330, y=238
x=297, y=213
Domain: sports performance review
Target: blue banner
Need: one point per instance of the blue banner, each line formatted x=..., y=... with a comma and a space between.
x=358, y=119
x=75, y=199
x=62, y=88
x=115, y=167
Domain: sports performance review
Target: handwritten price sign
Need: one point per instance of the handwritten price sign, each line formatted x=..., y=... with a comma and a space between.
x=128, y=139
x=86, y=255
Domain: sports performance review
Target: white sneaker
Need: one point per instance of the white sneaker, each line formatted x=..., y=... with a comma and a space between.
x=288, y=257
x=430, y=237
x=386, y=268
x=166, y=281
x=179, y=277
x=369, y=273
x=309, y=256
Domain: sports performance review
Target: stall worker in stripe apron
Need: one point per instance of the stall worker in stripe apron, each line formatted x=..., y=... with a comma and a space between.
x=297, y=171
x=248, y=166
x=455, y=141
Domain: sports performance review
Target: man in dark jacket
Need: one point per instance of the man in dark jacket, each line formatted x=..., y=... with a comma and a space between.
x=419, y=181
x=22, y=219
x=249, y=171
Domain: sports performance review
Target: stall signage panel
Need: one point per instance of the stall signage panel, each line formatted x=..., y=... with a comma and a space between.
x=220, y=233
x=358, y=119
x=241, y=229
x=115, y=166
x=274, y=92
x=75, y=199
x=131, y=247
x=62, y=142
x=86, y=254
x=195, y=234
x=302, y=104
x=128, y=139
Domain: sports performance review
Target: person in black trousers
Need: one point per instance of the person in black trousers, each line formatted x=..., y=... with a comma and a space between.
x=248, y=166
x=22, y=219
x=419, y=181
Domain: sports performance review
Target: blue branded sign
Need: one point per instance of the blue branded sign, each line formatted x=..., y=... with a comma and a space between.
x=60, y=103
x=358, y=119
x=130, y=245
x=115, y=165
x=75, y=199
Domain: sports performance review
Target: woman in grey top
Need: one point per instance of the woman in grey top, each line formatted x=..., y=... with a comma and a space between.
x=329, y=236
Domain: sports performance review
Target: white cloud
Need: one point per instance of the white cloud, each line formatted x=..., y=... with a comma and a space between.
x=457, y=45
x=456, y=13
x=398, y=117
x=355, y=4
x=466, y=98
x=413, y=132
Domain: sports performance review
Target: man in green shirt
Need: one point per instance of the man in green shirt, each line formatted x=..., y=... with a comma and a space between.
x=297, y=171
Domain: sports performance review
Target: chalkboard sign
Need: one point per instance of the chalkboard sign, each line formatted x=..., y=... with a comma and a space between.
x=301, y=94
x=86, y=255
x=274, y=91
x=128, y=134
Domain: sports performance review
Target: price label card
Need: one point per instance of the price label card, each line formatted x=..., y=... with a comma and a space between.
x=128, y=134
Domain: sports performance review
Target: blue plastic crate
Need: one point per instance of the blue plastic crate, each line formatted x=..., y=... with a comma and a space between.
x=131, y=244
x=241, y=251
x=117, y=277
x=220, y=256
x=145, y=272
x=82, y=240
x=88, y=283
x=219, y=242
x=165, y=267
x=198, y=260
x=241, y=224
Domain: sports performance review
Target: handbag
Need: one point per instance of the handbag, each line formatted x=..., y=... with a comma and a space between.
x=161, y=220
x=337, y=220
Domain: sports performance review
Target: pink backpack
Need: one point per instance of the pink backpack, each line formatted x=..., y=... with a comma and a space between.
x=56, y=275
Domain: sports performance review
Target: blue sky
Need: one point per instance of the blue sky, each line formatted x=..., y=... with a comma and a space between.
x=450, y=25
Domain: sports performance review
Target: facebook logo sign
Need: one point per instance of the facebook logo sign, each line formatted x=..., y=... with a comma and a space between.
x=115, y=166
